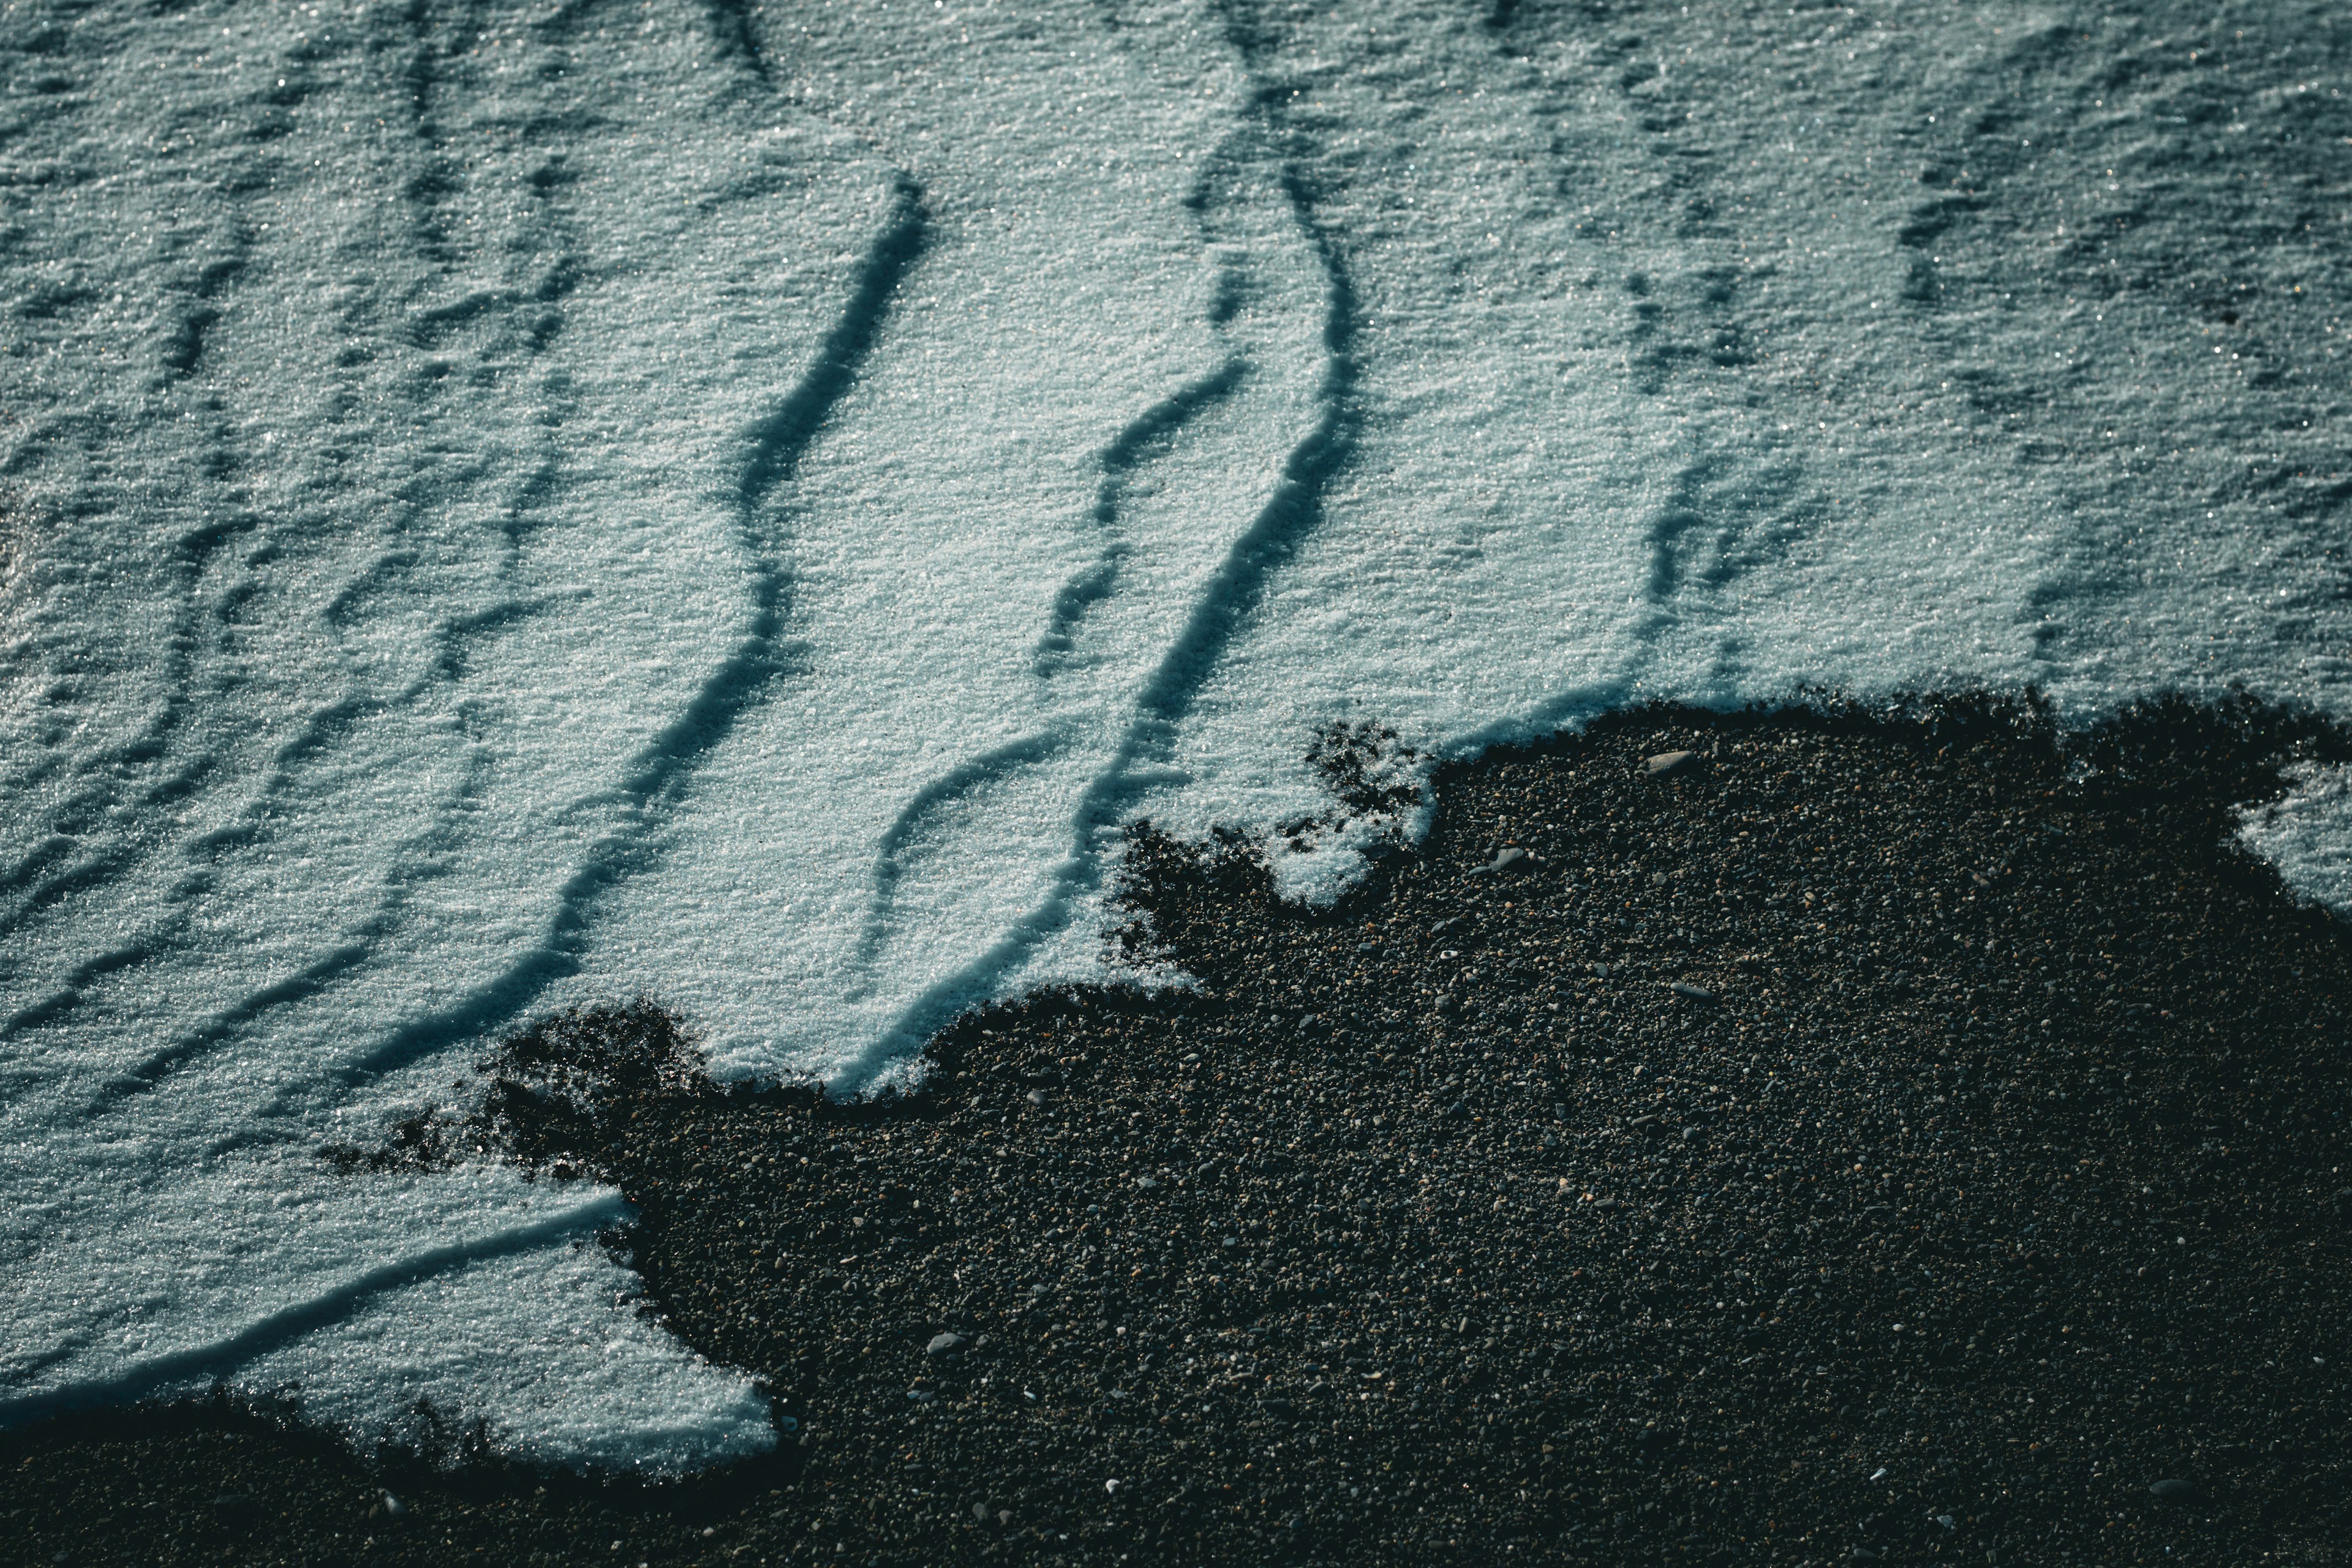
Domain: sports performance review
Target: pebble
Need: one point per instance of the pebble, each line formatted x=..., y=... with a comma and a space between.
x=1696, y=993
x=1670, y=762
x=2172, y=1489
x=944, y=1344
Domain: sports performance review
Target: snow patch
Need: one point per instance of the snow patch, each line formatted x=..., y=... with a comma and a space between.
x=2307, y=834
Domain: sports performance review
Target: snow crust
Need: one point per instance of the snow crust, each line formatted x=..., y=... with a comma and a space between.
x=515, y=505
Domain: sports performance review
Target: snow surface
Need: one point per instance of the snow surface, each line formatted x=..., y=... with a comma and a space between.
x=503, y=506
x=2303, y=834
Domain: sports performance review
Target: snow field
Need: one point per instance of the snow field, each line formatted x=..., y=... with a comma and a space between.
x=506, y=506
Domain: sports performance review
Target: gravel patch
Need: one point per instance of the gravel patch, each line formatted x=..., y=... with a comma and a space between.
x=1793, y=1138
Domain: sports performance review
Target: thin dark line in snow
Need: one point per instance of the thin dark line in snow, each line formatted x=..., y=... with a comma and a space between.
x=289, y=1323
x=662, y=768
x=730, y=25
x=890, y=851
x=1145, y=436
x=1143, y=759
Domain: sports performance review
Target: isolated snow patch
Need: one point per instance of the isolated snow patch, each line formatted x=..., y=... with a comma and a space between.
x=2307, y=834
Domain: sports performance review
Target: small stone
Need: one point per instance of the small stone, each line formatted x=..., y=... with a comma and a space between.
x=1458, y=1108
x=1036, y=1097
x=1443, y=1005
x=1696, y=993
x=921, y=1396
x=944, y=1344
x=393, y=1506
x=1148, y=1184
x=1671, y=762
x=980, y=1511
x=2172, y=1489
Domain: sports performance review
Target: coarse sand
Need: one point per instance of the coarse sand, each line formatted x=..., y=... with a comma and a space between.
x=1863, y=1137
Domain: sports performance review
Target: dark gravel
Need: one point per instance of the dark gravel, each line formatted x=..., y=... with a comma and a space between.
x=1865, y=1140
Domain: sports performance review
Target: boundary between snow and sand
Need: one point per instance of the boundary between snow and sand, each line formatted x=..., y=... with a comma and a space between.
x=1718, y=1170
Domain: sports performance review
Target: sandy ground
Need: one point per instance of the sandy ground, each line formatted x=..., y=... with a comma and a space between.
x=1868, y=1139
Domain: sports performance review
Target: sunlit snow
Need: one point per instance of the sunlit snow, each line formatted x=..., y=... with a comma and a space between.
x=502, y=507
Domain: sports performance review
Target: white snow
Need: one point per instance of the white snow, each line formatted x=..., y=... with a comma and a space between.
x=518, y=507
x=2307, y=835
